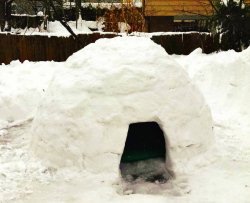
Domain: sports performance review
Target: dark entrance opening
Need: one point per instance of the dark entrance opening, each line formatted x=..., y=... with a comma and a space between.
x=143, y=158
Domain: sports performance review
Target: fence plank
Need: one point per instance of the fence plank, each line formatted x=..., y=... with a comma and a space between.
x=44, y=48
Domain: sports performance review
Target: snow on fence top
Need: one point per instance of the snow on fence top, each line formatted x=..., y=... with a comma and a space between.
x=84, y=117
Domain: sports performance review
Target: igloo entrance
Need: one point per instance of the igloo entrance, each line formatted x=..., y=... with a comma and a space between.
x=144, y=154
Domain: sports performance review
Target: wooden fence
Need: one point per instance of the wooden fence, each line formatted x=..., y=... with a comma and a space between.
x=44, y=48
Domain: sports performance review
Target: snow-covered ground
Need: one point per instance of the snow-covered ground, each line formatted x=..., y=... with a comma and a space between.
x=220, y=175
x=56, y=28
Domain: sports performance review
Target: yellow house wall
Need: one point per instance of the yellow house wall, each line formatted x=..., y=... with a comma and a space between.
x=178, y=7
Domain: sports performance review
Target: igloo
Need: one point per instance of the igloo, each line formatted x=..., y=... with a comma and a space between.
x=84, y=118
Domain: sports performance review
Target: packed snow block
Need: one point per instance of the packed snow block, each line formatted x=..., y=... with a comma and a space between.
x=85, y=115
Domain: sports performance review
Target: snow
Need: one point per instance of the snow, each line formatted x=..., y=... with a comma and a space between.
x=102, y=5
x=231, y=111
x=108, y=85
x=40, y=13
x=225, y=2
x=55, y=28
x=16, y=80
x=221, y=174
x=124, y=27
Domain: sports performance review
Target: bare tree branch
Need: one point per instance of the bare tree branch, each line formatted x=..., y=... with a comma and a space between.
x=213, y=6
x=62, y=21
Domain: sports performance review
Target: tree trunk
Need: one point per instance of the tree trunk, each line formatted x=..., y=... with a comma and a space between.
x=7, y=9
x=2, y=14
x=78, y=10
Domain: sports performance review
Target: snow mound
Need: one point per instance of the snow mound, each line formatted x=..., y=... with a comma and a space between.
x=223, y=78
x=20, y=91
x=227, y=83
x=84, y=117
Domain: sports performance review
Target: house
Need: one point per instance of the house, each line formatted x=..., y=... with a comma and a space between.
x=177, y=15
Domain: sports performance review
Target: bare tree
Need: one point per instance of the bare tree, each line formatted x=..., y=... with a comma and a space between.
x=62, y=20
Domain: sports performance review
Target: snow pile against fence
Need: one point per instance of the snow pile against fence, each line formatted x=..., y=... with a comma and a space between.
x=224, y=80
x=22, y=85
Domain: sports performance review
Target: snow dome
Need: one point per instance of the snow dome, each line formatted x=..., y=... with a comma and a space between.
x=110, y=87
